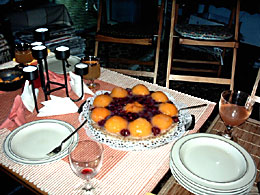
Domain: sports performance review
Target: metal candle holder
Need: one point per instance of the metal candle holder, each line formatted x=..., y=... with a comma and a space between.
x=41, y=34
x=31, y=73
x=81, y=69
x=40, y=53
x=63, y=53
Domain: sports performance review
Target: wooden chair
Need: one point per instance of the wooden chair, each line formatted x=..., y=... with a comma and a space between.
x=256, y=96
x=202, y=38
x=148, y=33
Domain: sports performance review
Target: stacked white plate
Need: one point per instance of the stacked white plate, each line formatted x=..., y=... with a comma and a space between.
x=210, y=164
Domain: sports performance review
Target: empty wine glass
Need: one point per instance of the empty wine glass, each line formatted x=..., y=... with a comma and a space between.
x=235, y=108
x=86, y=161
x=93, y=71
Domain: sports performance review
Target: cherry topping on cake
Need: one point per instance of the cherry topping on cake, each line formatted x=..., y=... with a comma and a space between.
x=156, y=131
x=125, y=132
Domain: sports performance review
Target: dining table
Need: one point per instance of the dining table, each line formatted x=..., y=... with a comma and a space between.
x=123, y=171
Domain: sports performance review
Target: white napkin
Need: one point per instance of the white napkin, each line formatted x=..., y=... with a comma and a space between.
x=27, y=96
x=57, y=106
x=75, y=83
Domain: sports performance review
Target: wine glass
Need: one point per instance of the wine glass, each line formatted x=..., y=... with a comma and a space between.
x=86, y=161
x=235, y=108
x=93, y=71
x=23, y=53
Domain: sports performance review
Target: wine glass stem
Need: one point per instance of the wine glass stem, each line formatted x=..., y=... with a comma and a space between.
x=91, y=83
x=88, y=186
x=228, y=132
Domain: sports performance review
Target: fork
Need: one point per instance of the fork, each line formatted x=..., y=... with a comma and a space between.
x=58, y=148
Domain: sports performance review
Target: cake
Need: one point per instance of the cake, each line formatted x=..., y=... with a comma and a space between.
x=134, y=113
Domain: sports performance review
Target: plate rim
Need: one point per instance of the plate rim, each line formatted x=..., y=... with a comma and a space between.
x=182, y=162
x=23, y=160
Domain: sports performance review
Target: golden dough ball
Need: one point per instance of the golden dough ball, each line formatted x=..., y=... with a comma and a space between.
x=159, y=96
x=162, y=121
x=140, y=89
x=99, y=114
x=115, y=124
x=168, y=109
x=134, y=107
x=140, y=128
x=118, y=92
x=102, y=100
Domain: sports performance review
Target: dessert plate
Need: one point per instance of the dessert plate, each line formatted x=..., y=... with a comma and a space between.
x=200, y=191
x=30, y=143
x=199, y=157
x=123, y=143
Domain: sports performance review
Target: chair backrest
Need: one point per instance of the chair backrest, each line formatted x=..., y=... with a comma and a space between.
x=234, y=44
x=128, y=11
x=146, y=30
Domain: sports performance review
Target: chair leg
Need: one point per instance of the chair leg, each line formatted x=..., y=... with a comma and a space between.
x=234, y=61
x=156, y=60
x=171, y=42
x=96, y=48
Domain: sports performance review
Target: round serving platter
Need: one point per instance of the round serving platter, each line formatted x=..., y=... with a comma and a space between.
x=122, y=143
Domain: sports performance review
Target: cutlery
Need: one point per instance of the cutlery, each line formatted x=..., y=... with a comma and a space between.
x=191, y=107
x=58, y=148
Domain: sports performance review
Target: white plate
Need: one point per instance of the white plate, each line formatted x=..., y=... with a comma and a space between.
x=194, y=156
x=207, y=190
x=55, y=65
x=185, y=120
x=30, y=143
x=200, y=191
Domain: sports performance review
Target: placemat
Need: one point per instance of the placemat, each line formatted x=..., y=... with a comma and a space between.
x=135, y=172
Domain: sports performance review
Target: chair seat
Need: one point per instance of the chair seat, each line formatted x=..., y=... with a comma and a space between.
x=203, y=32
x=126, y=30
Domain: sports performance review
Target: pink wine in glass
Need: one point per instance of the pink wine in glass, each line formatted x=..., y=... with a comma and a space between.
x=233, y=115
x=234, y=108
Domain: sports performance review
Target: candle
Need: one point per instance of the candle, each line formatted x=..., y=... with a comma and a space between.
x=41, y=30
x=39, y=47
x=29, y=68
x=36, y=43
x=62, y=48
x=81, y=65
